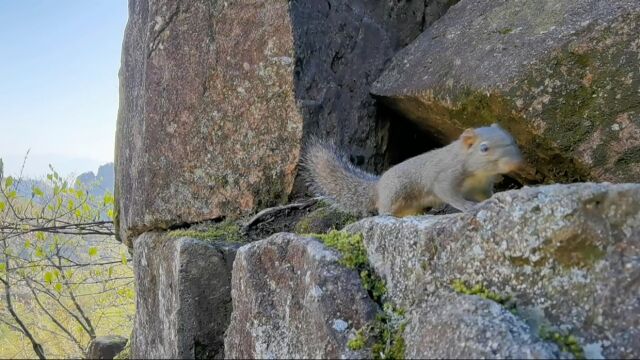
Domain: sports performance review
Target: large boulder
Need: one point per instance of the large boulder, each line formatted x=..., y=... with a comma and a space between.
x=216, y=98
x=208, y=124
x=291, y=299
x=569, y=255
x=183, y=292
x=454, y=326
x=341, y=48
x=562, y=76
x=106, y=347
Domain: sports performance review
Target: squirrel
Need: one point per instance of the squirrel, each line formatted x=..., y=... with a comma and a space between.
x=460, y=174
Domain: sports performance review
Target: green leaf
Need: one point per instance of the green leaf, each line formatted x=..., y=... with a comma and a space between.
x=110, y=213
x=70, y=205
x=93, y=251
x=2, y=206
x=40, y=236
x=3, y=267
x=37, y=192
x=8, y=182
x=48, y=277
x=40, y=252
x=12, y=194
x=58, y=287
x=124, y=259
x=27, y=244
x=108, y=199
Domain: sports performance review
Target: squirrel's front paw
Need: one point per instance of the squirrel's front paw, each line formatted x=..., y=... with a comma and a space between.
x=470, y=206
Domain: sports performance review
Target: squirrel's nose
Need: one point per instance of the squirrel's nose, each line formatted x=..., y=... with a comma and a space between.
x=511, y=164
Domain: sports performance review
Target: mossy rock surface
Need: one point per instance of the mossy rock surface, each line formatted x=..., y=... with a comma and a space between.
x=561, y=257
x=226, y=232
x=562, y=77
x=293, y=299
x=323, y=220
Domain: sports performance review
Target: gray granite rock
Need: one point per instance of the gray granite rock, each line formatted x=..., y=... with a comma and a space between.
x=291, y=299
x=217, y=97
x=106, y=347
x=562, y=76
x=208, y=124
x=183, y=292
x=454, y=326
x=569, y=255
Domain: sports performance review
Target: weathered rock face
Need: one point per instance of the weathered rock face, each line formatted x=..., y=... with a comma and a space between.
x=560, y=75
x=341, y=48
x=217, y=96
x=183, y=289
x=454, y=326
x=291, y=299
x=106, y=347
x=568, y=254
x=208, y=124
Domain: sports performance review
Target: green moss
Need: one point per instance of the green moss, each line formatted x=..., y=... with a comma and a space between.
x=576, y=92
x=354, y=256
x=322, y=220
x=385, y=333
x=481, y=291
x=566, y=342
x=350, y=246
x=595, y=82
x=373, y=283
x=358, y=342
x=505, y=31
x=227, y=231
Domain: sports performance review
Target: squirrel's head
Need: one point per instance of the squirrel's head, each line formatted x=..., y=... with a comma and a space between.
x=490, y=150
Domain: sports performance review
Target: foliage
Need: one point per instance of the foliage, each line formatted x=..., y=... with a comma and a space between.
x=358, y=342
x=386, y=331
x=385, y=334
x=567, y=343
x=63, y=276
x=481, y=291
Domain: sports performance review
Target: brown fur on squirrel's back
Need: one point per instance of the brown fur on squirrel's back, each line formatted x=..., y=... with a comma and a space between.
x=331, y=175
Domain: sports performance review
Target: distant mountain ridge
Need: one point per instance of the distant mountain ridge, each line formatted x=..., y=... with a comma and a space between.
x=97, y=184
x=101, y=182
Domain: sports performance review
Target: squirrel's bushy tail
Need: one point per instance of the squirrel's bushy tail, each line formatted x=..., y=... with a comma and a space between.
x=331, y=175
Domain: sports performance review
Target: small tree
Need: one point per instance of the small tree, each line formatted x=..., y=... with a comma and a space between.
x=63, y=275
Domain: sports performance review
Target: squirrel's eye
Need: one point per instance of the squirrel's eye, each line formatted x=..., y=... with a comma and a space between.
x=484, y=148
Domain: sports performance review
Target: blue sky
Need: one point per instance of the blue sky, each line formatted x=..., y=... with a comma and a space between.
x=59, y=62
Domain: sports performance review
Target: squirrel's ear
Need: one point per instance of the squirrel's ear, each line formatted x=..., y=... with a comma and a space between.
x=468, y=138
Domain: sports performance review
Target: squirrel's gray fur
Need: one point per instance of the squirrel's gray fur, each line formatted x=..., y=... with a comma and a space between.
x=459, y=174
